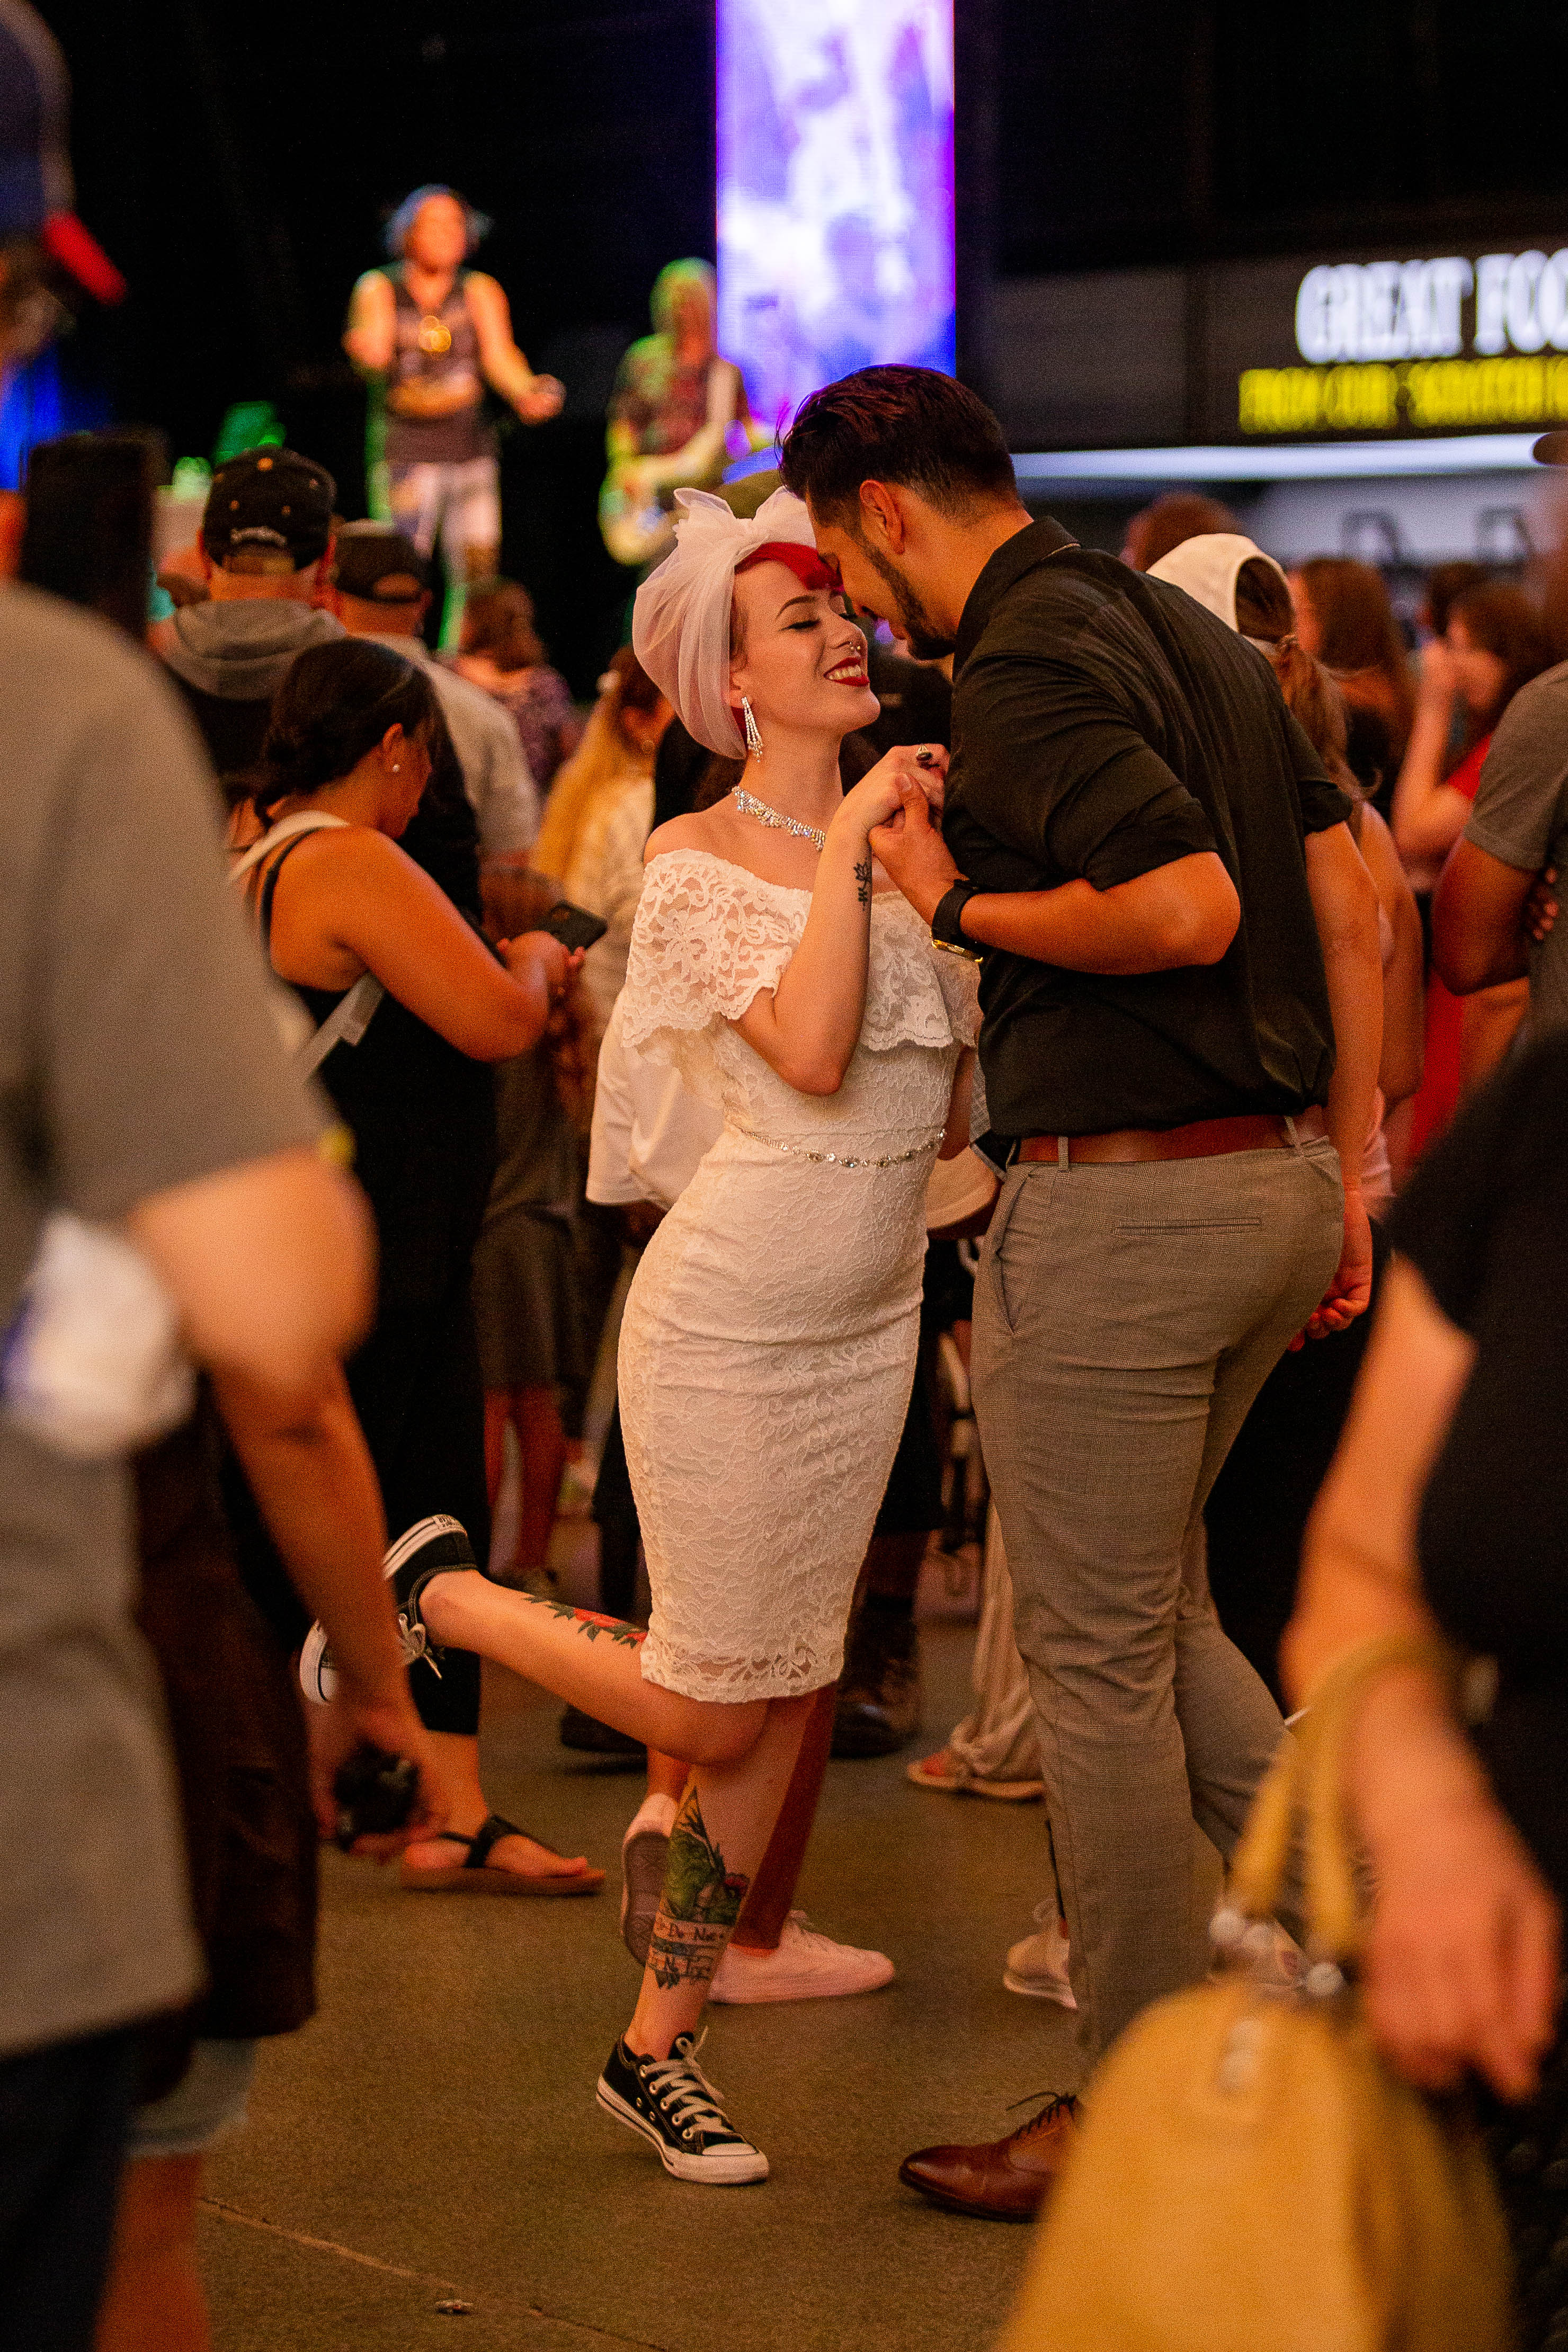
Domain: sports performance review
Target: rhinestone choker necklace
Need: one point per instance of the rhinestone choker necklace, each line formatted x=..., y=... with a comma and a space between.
x=749, y=805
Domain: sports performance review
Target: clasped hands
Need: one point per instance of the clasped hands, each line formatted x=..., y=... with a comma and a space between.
x=905, y=792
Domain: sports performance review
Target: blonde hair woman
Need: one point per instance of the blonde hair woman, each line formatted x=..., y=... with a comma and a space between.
x=598, y=819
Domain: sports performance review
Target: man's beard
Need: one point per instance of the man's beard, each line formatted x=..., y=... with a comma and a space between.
x=928, y=641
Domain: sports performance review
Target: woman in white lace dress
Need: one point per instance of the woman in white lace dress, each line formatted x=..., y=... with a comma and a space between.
x=770, y=1334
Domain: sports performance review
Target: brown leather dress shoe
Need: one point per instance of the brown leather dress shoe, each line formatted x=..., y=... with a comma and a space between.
x=1004, y=2179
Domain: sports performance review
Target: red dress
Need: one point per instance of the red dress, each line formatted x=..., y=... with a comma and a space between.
x=1438, y=1096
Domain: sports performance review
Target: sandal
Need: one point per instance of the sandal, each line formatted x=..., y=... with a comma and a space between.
x=477, y=1875
x=937, y=1772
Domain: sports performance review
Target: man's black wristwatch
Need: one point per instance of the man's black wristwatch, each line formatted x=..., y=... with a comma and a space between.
x=946, y=924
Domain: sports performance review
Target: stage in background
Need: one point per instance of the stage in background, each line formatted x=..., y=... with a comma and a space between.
x=835, y=190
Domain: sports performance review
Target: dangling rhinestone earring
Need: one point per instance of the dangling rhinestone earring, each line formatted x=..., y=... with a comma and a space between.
x=753, y=733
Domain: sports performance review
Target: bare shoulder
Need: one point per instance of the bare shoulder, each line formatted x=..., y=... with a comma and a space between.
x=703, y=829
x=480, y=286
x=356, y=856
x=374, y=286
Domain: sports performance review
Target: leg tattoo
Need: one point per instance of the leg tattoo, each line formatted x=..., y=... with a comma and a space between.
x=701, y=1903
x=631, y=1637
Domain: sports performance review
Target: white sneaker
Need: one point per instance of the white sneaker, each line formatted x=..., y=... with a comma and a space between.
x=1038, y=1966
x=805, y=1966
x=644, y=1850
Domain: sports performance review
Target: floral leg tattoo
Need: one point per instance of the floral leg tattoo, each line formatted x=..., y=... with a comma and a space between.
x=701, y=1903
x=630, y=1637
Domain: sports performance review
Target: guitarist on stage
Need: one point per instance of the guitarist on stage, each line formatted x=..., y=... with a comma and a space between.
x=430, y=334
x=675, y=405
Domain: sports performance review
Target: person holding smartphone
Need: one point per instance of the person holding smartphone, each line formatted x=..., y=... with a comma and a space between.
x=337, y=902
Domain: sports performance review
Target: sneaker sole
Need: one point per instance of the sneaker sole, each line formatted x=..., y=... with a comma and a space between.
x=318, y=1676
x=416, y=1537
x=708, y=2171
x=1032, y=1990
x=643, y=1860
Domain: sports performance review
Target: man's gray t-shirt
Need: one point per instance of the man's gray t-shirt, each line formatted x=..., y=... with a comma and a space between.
x=1520, y=818
x=137, y=1051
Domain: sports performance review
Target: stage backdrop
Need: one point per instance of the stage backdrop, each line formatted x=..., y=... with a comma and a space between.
x=834, y=122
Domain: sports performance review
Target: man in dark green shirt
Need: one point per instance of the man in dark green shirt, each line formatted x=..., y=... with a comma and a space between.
x=1181, y=995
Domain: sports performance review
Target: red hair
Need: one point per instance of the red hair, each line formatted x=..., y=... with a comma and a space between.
x=813, y=571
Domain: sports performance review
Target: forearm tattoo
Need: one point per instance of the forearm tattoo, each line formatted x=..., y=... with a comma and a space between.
x=701, y=1903
x=591, y=1623
x=863, y=881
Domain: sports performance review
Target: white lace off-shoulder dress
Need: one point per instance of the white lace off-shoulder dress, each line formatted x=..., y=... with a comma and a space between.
x=769, y=1342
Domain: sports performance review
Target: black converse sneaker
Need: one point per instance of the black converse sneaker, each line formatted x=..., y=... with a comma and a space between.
x=427, y=1548
x=671, y=2102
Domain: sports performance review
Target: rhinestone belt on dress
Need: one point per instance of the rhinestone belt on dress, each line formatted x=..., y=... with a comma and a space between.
x=843, y=1158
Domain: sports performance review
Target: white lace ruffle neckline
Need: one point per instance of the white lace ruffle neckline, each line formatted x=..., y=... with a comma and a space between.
x=711, y=936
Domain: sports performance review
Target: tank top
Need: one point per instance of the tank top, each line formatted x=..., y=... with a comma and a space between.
x=436, y=347
x=423, y=1119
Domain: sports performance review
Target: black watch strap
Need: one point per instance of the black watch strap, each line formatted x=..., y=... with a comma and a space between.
x=946, y=924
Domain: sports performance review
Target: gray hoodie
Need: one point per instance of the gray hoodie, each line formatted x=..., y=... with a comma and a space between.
x=229, y=659
x=239, y=651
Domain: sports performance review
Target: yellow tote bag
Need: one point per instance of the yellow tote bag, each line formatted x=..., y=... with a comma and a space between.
x=1250, y=2176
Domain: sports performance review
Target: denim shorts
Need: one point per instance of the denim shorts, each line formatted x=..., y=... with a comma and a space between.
x=206, y=2106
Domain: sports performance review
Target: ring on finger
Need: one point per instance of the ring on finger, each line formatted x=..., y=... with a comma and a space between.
x=925, y=755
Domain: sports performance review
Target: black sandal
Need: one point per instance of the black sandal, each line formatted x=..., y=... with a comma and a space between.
x=477, y=1875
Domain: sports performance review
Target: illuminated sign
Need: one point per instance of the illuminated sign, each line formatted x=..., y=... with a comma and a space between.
x=1454, y=344
x=835, y=218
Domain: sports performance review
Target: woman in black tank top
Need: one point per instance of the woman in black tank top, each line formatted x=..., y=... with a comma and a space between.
x=341, y=908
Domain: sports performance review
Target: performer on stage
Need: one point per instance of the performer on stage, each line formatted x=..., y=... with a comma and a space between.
x=429, y=334
x=675, y=405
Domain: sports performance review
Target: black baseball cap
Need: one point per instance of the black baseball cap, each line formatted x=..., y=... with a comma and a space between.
x=269, y=501
x=384, y=567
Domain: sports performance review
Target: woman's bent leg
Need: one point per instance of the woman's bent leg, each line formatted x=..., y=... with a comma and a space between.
x=722, y=1833
x=591, y=1661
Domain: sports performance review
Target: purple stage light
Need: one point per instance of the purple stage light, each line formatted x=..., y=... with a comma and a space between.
x=835, y=190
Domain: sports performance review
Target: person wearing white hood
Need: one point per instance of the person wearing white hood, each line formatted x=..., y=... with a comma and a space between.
x=769, y=1333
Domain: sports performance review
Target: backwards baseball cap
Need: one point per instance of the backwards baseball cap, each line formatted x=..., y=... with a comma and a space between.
x=270, y=502
x=383, y=566
x=35, y=187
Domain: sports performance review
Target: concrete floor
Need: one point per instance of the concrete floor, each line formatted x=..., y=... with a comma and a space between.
x=425, y=2164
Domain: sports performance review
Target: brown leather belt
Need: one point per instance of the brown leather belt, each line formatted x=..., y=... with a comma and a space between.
x=1206, y=1138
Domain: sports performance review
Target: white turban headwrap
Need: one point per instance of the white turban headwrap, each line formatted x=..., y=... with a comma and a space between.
x=681, y=622
x=1207, y=568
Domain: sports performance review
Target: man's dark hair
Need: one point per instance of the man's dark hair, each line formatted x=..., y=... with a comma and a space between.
x=906, y=426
